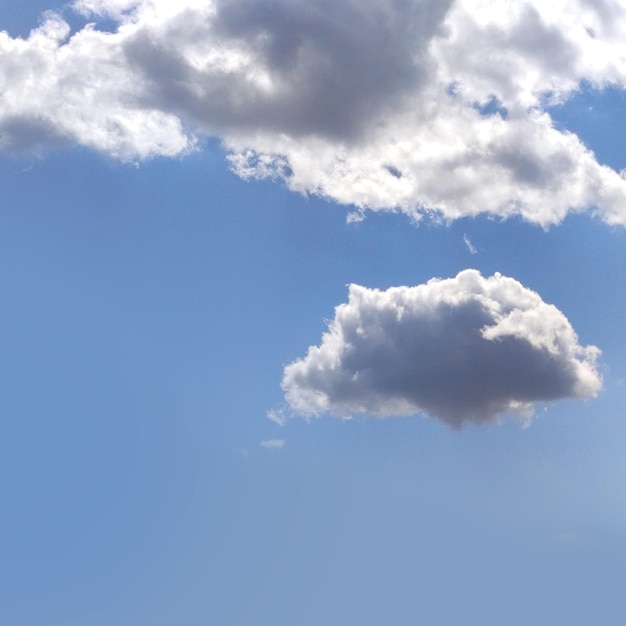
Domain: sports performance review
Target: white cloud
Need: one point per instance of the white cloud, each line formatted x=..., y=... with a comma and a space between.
x=277, y=416
x=273, y=444
x=469, y=245
x=428, y=107
x=464, y=349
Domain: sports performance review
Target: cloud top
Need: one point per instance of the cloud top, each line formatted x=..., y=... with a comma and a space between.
x=371, y=103
x=464, y=349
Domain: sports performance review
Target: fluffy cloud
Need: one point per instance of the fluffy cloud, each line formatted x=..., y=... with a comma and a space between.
x=428, y=107
x=465, y=349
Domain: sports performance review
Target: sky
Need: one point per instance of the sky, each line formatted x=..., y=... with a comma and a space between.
x=312, y=312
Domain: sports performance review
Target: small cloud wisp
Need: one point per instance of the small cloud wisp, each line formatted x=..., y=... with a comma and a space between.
x=273, y=444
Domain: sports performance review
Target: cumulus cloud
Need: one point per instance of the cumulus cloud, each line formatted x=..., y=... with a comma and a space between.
x=273, y=444
x=464, y=349
x=428, y=107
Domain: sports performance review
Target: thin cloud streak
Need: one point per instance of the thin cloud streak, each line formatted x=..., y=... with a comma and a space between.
x=469, y=244
x=273, y=444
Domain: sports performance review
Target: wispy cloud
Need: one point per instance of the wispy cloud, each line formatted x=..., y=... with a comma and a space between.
x=277, y=416
x=372, y=104
x=273, y=444
x=465, y=349
x=469, y=245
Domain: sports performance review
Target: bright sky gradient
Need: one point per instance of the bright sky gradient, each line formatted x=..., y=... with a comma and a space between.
x=188, y=191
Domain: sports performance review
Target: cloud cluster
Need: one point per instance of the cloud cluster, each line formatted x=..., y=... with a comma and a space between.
x=465, y=349
x=424, y=106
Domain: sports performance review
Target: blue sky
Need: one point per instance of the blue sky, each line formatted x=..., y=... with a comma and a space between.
x=154, y=291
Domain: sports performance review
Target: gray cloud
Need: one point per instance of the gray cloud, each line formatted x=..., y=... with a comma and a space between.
x=337, y=65
x=370, y=103
x=295, y=67
x=465, y=349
